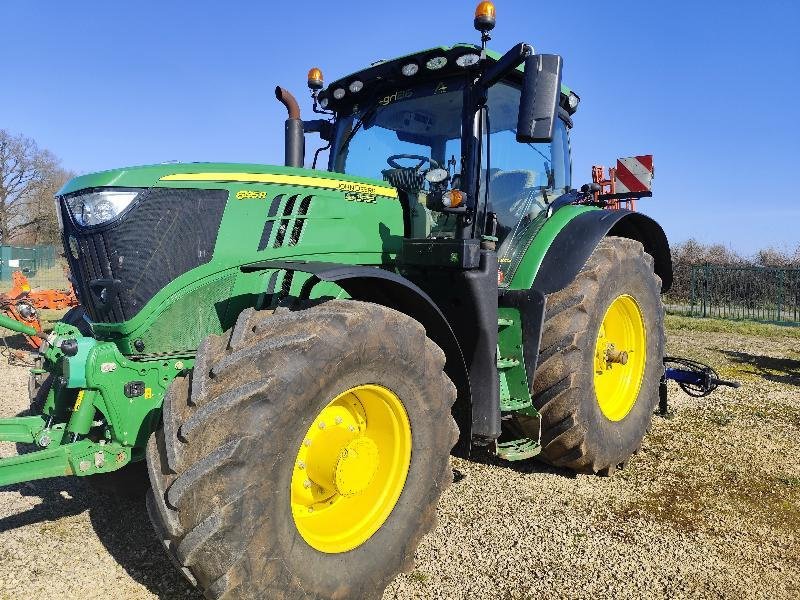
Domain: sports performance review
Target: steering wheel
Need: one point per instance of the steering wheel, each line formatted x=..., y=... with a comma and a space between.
x=392, y=160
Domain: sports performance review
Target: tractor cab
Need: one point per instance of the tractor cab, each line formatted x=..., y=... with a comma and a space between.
x=401, y=121
x=424, y=124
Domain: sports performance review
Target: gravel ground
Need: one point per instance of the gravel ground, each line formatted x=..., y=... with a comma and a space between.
x=709, y=508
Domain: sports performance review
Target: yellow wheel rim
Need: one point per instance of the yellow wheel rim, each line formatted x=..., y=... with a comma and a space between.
x=619, y=358
x=351, y=468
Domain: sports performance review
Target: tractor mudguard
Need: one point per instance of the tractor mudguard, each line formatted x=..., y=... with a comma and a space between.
x=372, y=284
x=576, y=241
x=579, y=231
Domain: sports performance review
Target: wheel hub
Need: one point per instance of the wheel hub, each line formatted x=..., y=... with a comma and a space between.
x=351, y=468
x=619, y=358
x=356, y=467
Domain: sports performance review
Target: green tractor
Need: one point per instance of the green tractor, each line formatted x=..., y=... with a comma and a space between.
x=294, y=353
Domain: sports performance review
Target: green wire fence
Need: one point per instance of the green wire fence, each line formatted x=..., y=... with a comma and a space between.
x=44, y=266
x=728, y=292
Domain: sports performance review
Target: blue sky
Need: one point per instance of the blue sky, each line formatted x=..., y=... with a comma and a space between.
x=712, y=89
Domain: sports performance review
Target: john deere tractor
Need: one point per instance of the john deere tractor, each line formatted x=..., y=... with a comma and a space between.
x=294, y=352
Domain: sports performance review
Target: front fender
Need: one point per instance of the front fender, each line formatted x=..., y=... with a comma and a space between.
x=371, y=284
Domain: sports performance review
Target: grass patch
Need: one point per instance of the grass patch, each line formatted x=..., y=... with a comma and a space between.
x=690, y=504
x=717, y=487
x=776, y=369
x=57, y=530
x=419, y=576
x=709, y=325
x=720, y=419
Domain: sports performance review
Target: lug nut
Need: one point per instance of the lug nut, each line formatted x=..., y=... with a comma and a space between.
x=307, y=483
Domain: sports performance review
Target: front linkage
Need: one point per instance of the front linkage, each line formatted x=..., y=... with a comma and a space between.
x=97, y=408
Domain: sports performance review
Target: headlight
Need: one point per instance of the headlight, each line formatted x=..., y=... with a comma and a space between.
x=26, y=310
x=453, y=198
x=95, y=208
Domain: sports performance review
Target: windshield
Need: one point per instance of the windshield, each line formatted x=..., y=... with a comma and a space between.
x=424, y=121
x=399, y=135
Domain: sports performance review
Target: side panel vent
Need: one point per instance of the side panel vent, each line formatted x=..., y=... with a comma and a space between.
x=190, y=316
x=288, y=228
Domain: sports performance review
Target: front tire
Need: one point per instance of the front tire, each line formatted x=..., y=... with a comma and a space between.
x=234, y=476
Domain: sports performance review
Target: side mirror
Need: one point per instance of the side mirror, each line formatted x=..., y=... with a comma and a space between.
x=541, y=91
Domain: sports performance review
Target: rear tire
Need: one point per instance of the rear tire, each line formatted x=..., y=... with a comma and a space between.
x=577, y=432
x=222, y=466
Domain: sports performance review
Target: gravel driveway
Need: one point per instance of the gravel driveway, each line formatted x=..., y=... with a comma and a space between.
x=709, y=508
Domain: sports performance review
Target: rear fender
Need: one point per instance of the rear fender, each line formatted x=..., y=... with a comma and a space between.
x=558, y=254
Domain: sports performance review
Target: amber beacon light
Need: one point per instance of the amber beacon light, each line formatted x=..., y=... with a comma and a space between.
x=485, y=16
x=315, y=79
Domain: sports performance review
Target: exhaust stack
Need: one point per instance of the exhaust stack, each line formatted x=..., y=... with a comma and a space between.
x=295, y=148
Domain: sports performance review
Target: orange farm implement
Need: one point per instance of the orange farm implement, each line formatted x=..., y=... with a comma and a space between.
x=23, y=304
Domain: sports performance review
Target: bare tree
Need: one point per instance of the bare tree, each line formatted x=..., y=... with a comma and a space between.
x=772, y=257
x=692, y=252
x=29, y=177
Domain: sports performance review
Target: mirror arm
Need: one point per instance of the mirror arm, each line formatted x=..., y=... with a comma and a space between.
x=505, y=65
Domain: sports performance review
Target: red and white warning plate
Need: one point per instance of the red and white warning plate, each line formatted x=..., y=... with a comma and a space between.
x=635, y=174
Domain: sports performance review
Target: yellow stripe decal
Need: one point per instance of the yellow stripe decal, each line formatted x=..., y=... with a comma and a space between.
x=320, y=182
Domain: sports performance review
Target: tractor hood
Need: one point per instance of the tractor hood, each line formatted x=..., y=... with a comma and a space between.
x=191, y=174
x=142, y=236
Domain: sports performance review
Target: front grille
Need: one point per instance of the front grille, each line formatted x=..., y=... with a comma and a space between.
x=166, y=233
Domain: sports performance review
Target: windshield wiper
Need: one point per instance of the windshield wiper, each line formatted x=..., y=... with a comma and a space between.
x=367, y=116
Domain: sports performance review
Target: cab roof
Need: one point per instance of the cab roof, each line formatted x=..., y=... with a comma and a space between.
x=389, y=71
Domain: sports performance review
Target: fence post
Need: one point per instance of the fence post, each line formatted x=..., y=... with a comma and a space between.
x=705, y=289
x=780, y=294
x=691, y=288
